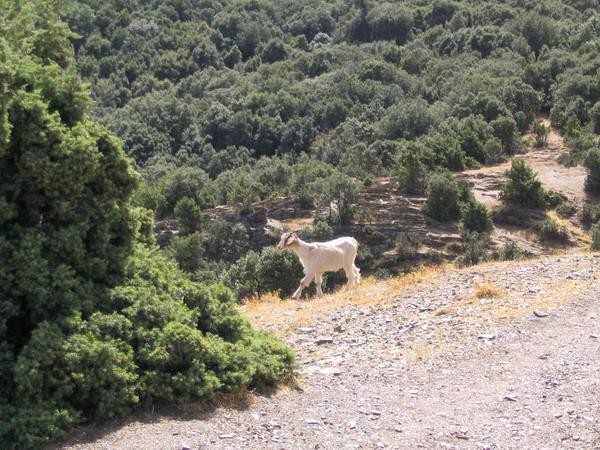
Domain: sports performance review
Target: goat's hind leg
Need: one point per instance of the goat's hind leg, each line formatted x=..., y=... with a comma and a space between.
x=357, y=277
x=319, y=283
x=351, y=277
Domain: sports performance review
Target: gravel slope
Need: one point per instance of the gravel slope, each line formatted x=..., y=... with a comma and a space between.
x=499, y=356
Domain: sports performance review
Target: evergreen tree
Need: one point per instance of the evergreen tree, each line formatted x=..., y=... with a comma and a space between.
x=92, y=324
x=522, y=186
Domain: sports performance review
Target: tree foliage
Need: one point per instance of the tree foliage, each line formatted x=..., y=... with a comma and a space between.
x=522, y=186
x=443, y=197
x=93, y=324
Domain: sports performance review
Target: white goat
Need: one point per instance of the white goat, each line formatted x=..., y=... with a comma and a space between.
x=319, y=257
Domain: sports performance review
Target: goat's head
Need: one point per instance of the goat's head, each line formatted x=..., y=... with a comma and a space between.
x=287, y=240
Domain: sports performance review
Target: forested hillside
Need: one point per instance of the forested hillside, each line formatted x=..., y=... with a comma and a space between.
x=216, y=85
x=231, y=102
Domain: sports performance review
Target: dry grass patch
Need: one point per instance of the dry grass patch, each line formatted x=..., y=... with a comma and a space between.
x=285, y=316
x=423, y=348
x=580, y=235
x=486, y=290
x=240, y=400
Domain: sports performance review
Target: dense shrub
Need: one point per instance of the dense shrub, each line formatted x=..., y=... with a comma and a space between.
x=322, y=231
x=540, y=132
x=219, y=86
x=411, y=174
x=442, y=197
x=522, y=186
x=550, y=230
x=188, y=215
x=595, y=232
x=339, y=190
x=474, y=217
x=390, y=21
x=509, y=252
x=93, y=324
x=188, y=251
x=595, y=117
x=566, y=209
x=260, y=273
x=305, y=174
x=225, y=240
x=592, y=163
x=590, y=213
x=475, y=245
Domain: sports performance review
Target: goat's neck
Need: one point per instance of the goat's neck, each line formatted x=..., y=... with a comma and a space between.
x=302, y=249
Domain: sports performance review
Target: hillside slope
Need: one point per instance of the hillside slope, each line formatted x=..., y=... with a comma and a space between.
x=503, y=355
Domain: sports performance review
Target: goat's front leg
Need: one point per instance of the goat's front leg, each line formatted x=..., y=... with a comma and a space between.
x=304, y=283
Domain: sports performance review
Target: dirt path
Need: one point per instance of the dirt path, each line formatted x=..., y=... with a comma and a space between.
x=499, y=356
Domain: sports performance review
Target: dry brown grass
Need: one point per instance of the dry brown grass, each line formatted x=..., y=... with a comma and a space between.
x=423, y=348
x=486, y=290
x=580, y=235
x=240, y=400
x=284, y=316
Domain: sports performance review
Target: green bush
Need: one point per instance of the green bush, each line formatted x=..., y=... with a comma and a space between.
x=566, y=209
x=188, y=215
x=474, y=217
x=475, y=246
x=540, y=132
x=411, y=175
x=590, y=213
x=595, y=116
x=188, y=251
x=185, y=182
x=550, y=230
x=270, y=271
x=554, y=199
x=305, y=174
x=509, y=252
x=493, y=152
x=322, y=231
x=225, y=241
x=442, y=197
x=505, y=130
x=522, y=186
x=595, y=232
x=592, y=163
x=94, y=324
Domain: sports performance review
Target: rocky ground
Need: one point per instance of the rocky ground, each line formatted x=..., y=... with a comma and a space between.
x=498, y=356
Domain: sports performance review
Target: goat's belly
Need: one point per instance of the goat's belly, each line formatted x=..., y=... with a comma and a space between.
x=330, y=267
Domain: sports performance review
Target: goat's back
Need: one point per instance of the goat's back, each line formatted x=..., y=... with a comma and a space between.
x=345, y=243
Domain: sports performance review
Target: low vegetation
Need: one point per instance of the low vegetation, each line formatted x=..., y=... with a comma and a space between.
x=595, y=232
x=550, y=230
